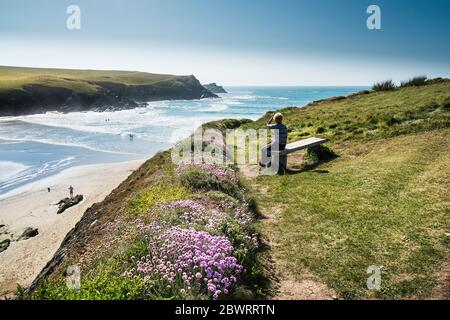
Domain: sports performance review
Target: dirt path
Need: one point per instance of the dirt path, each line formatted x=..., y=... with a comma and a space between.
x=442, y=290
x=284, y=285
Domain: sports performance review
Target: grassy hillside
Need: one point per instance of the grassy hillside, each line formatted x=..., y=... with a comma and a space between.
x=383, y=201
x=80, y=81
x=33, y=90
x=369, y=116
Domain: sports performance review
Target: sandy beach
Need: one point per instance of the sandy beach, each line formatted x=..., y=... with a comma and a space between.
x=33, y=206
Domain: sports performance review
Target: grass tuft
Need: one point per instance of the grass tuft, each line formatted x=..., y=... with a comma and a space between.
x=414, y=82
x=387, y=85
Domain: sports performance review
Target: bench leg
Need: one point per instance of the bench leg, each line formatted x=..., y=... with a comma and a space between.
x=283, y=165
x=278, y=164
x=314, y=149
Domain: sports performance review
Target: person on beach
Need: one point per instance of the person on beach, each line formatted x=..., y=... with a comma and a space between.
x=280, y=139
x=71, y=191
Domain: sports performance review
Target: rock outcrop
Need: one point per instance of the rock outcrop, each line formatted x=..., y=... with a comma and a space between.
x=4, y=244
x=66, y=203
x=214, y=88
x=29, y=233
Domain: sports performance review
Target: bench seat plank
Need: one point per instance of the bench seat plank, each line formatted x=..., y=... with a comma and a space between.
x=302, y=144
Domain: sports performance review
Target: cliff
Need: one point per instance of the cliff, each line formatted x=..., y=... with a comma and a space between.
x=30, y=90
x=214, y=88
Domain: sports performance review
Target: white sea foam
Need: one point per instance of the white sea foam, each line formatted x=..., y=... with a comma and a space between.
x=158, y=124
x=59, y=143
x=9, y=169
x=215, y=107
x=245, y=97
x=24, y=173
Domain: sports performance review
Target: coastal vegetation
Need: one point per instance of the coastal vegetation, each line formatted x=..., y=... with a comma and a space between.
x=36, y=90
x=383, y=201
x=79, y=81
x=387, y=85
x=417, y=81
x=376, y=194
x=178, y=239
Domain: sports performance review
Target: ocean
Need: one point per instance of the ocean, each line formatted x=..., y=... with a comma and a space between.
x=37, y=146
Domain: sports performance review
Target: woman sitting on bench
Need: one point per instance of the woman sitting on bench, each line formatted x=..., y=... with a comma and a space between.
x=279, y=142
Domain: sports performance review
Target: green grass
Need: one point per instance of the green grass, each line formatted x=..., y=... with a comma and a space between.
x=154, y=195
x=380, y=203
x=384, y=201
x=80, y=81
x=375, y=115
x=105, y=282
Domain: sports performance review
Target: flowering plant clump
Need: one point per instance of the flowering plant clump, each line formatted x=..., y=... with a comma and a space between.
x=218, y=144
x=197, y=248
x=194, y=214
x=189, y=260
x=219, y=172
x=242, y=216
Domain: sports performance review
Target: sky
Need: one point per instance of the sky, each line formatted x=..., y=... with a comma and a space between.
x=234, y=42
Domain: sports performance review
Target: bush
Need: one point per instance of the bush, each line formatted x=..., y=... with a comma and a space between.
x=387, y=85
x=414, y=82
x=320, y=130
x=226, y=124
x=322, y=153
x=316, y=155
x=209, y=177
x=392, y=121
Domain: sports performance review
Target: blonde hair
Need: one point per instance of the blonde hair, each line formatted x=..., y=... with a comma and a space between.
x=278, y=117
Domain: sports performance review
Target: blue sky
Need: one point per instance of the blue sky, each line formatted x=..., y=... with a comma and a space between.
x=264, y=42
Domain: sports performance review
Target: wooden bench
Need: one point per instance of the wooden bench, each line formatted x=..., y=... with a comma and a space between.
x=309, y=143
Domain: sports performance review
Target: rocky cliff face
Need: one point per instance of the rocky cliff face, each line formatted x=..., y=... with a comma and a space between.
x=214, y=88
x=37, y=98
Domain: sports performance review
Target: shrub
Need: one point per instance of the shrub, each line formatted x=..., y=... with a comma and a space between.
x=322, y=153
x=209, y=177
x=316, y=155
x=387, y=85
x=320, y=130
x=414, y=82
x=392, y=121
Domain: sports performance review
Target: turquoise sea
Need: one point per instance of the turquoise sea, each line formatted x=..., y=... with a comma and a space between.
x=37, y=146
